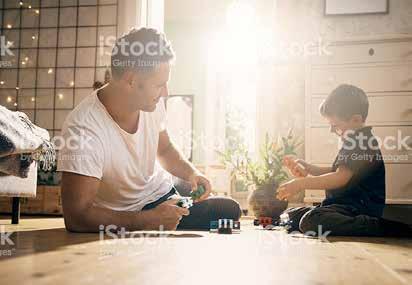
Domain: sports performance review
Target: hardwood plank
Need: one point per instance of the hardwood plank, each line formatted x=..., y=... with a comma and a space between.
x=45, y=253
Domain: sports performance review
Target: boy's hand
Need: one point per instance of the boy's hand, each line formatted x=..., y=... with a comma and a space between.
x=289, y=189
x=298, y=167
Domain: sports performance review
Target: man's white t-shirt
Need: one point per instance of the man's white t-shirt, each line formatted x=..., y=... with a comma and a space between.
x=94, y=145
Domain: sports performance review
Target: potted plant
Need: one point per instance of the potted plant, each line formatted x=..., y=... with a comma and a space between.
x=264, y=175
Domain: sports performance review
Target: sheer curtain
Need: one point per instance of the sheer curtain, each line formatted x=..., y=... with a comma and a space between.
x=238, y=77
x=215, y=109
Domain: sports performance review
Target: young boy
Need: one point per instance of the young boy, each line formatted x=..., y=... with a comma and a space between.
x=354, y=184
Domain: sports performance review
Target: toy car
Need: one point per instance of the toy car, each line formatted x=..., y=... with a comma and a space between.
x=187, y=202
x=264, y=221
x=224, y=226
x=270, y=223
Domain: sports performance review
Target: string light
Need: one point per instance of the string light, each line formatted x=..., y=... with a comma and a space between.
x=26, y=58
x=9, y=99
x=32, y=99
x=21, y=3
x=29, y=6
x=9, y=26
x=2, y=82
x=37, y=12
x=17, y=87
x=72, y=83
x=33, y=37
x=50, y=71
x=23, y=62
x=60, y=95
x=15, y=104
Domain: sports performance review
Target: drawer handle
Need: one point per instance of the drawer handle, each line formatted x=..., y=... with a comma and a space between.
x=406, y=82
x=371, y=51
x=406, y=113
x=409, y=144
x=407, y=54
x=407, y=187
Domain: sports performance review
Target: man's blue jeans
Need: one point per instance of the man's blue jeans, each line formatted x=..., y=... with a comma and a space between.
x=203, y=212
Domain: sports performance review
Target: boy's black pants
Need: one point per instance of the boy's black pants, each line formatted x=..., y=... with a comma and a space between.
x=340, y=220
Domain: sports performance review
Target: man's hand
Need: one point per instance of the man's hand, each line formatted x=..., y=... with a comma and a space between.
x=174, y=162
x=168, y=215
x=289, y=189
x=298, y=167
x=197, y=179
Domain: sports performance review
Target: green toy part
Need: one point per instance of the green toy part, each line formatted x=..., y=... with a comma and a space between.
x=195, y=195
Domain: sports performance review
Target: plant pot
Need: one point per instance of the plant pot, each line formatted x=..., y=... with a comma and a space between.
x=263, y=202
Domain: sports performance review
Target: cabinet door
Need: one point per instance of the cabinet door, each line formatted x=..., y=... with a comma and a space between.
x=371, y=78
x=393, y=109
x=366, y=53
x=314, y=196
x=396, y=144
x=398, y=186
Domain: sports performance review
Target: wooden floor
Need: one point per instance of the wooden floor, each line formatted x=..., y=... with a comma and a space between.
x=44, y=253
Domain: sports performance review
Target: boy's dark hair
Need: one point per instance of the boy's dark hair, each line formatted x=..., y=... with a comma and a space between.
x=344, y=102
x=141, y=50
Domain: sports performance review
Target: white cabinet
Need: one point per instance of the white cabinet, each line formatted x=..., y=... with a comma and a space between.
x=382, y=67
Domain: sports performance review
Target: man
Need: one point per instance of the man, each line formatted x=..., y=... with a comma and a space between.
x=118, y=158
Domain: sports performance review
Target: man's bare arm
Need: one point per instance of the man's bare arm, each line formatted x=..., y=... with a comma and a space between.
x=80, y=215
x=172, y=160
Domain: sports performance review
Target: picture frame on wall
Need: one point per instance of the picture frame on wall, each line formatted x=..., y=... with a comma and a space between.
x=356, y=7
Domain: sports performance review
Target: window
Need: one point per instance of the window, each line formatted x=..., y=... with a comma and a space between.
x=56, y=54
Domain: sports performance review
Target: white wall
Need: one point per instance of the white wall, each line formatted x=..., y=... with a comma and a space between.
x=188, y=74
x=189, y=24
x=131, y=14
x=190, y=32
x=300, y=22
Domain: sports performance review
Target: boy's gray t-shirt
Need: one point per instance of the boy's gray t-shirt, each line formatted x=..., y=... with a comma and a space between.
x=366, y=190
